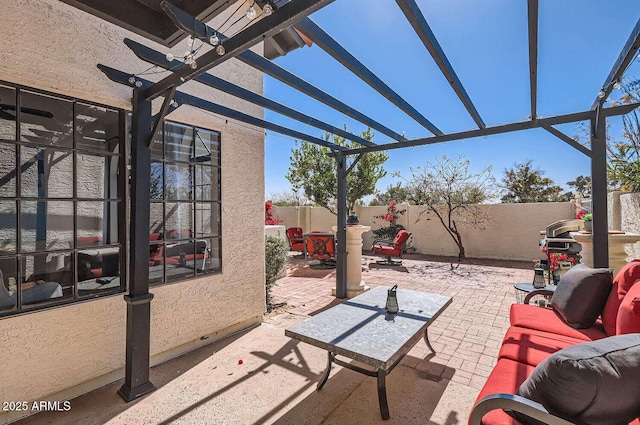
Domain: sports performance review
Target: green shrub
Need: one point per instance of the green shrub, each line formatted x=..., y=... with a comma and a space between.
x=276, y=257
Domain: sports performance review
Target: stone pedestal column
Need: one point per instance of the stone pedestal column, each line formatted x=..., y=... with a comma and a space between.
x=355, y=285
x=617, y=253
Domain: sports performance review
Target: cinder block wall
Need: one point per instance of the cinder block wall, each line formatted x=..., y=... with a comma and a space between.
x=512, y=233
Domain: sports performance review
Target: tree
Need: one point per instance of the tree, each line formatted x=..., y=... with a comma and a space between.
x=395, y=192
x=524, y=183
x=582, y=184
x=623, y=167
x=453, y=194
x=313, y=170
x=287, y=199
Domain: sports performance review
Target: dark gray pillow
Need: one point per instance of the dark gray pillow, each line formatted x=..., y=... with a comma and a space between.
x=595, y=383
x=581, y=295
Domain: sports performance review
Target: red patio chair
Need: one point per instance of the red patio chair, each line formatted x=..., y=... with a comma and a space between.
x=391, y=248
x=321, y=246
x=295, y=239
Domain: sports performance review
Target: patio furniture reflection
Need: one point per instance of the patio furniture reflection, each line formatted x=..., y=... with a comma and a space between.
x=30, y=295
x=321, y=246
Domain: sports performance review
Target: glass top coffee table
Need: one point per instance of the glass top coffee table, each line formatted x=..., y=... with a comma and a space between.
x=360, y=329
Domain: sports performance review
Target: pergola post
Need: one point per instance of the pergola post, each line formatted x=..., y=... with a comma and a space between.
x=599, y=189
x=136, y=380
x=341, y=254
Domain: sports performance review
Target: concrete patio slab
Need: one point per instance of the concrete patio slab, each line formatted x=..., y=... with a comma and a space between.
x=276, y=382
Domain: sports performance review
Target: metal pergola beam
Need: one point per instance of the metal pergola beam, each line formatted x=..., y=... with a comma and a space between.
x=532, y=6
x=599, y=189
x=316, y=34
x=156, y=58
x=568, y=140
x=506, y=128
x=183, y=98
x=271, y=69
x=620, y=66
x=422, y=29
x=267, y=26
x=188, y=99
x=202, y=31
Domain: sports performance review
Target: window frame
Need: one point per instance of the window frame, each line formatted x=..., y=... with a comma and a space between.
x=193, y=200
x=19, y=256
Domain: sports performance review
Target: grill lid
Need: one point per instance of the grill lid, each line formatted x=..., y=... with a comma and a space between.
x=563, y=227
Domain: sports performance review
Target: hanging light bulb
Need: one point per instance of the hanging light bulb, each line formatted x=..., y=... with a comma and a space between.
x=170, y=57
x=617, y=85
x=214, y=40
x=138, y=84
x=132, y=80
x=174, y=103
x=193, y=64
x=220, y=50
x=267, y=10
x=251, y=13
x=600, y=94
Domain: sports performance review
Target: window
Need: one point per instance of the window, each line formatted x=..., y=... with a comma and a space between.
x=184, y=228
x=61, y=202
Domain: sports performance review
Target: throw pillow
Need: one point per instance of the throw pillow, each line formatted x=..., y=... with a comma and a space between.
x=625, y=278
x=628, y=320
x=592, y=383
x=581, y=294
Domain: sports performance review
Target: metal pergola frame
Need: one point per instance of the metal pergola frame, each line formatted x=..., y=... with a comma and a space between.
x=145, y=125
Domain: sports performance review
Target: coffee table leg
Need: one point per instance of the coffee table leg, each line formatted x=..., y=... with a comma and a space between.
x=382, y=394
x=326, y=373
x=426, y=340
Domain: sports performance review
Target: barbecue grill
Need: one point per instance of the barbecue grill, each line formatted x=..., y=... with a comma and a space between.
x=558, y=239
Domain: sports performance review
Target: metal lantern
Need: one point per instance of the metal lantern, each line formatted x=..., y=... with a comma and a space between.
x=538, y=278
x=392, y=300
x=352, y=219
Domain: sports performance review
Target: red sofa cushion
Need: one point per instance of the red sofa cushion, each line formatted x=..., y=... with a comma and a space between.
x=505, y=377
x=628, y=321
x=623, y=281
x=531, y=346
x=542, y=319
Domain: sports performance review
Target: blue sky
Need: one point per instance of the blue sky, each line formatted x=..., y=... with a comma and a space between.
x=486, y=43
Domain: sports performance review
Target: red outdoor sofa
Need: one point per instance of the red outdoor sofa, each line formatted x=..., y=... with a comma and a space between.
x=562, y=367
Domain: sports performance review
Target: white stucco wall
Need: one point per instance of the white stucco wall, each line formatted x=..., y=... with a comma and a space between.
x=62, y=352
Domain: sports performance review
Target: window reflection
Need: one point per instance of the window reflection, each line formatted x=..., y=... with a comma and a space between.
x=7, y=170
x=59, y=227
x=46, y=173
x=45, y=120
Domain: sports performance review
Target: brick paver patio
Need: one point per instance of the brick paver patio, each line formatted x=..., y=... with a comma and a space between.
x=466, y=336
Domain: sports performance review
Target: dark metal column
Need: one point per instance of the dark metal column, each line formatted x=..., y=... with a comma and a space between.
x=599, y=189
x=341, y=255
x=136, y=380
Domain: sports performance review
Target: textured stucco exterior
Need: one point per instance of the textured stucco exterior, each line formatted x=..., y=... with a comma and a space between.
x=630, y=219
x=62, y=352
x=512, y=233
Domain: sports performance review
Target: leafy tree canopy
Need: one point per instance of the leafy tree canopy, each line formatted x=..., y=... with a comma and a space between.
x=395, y=192
x=582, y=185
x=523, y=183
x=313, y=170
x=623, y=166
